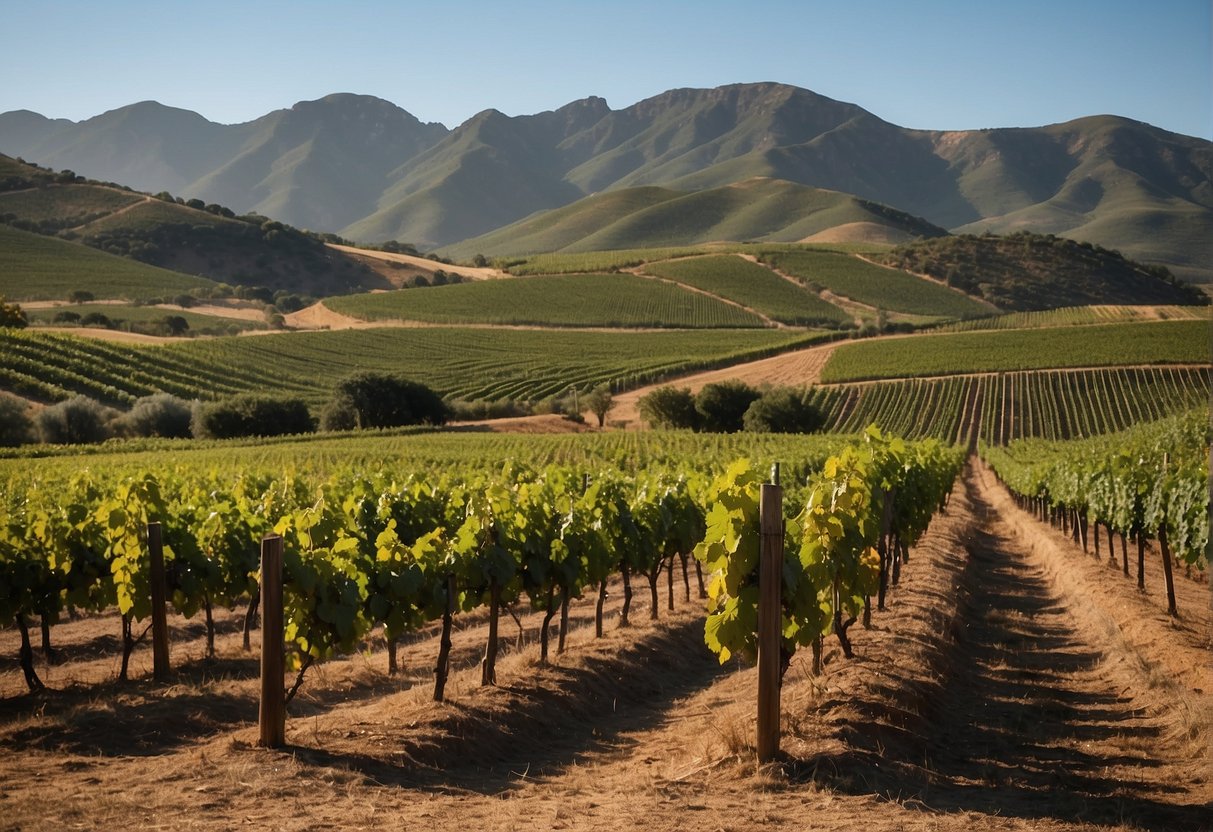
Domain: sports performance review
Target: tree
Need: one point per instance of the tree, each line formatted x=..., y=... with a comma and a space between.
x=77, y=421
x=783, y=410
x=175, y=325
x=250, y=415
x=80, y=296
x=12, y=315
x=669, y=407
x=722, y=405
x=382, y=400
x=599, y=402
x=158, y=415
x=16, y=426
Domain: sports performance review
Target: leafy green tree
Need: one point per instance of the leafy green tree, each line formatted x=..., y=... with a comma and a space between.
x=80, y=296
x=600, y=401
x=250, y=415
x=783, y=410
x=77, y=421
x=382, y=400
x=669, y=407
x=161, y=414
x=722, y=405
x=16, y=426
x=175, y=325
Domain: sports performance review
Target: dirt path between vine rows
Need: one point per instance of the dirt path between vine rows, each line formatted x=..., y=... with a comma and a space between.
x=1013, y=683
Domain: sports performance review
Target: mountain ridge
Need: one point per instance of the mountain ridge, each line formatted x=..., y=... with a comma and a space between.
x=369, y=170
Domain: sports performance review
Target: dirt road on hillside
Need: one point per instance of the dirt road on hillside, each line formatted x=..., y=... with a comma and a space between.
x=1013, y=684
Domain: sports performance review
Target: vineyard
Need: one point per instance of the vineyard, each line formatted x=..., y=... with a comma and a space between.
x=875, y=286
x=1079, y=316
x=1150, y=481
x=1049, y=404
x=751, y=286
x=600, y=300
x=1162, y=342
x=465, y=363
x=401, y=550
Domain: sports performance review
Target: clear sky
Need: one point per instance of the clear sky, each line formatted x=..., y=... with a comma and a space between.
x=939, y=64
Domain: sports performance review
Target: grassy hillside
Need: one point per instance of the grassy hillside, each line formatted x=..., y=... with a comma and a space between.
x=1029, y=271
x=755, y=209
x=191, y=238
x=1162, y=342
x=752, y=286
x=146, y=319
x=37, y=267
x=599, y=300
x=467, y=363
x=882, y=288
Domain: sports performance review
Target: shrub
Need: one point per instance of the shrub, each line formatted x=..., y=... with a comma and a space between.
x=77, y=421
x=12, y=315
x=722, y=405
x=783, y=410
x=158, y=415
x=669, y=407
x=250, y=415
x=16, y=426
x=382, y=400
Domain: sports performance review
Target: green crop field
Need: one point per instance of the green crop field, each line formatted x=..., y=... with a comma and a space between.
x=876, y=286
x=600, y=300
x=1048, y=404
x=1164, y=342
x=599, y=261
x=36, y=267
x=751, y=285
x=465, y=363
x=1081, y=315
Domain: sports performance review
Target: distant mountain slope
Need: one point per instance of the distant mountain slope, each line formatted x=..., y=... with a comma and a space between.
x=1026, y=271
x=320, y=164
x=757, y=209
x=369, y=170
x=194, y=239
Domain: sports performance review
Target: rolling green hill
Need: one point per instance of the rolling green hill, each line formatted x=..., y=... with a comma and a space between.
x=756, y=209
x=1028, y=271
x=584, y=300
x=37, y=267
x=191, y=238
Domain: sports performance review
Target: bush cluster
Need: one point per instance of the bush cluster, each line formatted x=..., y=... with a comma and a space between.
x=731, y=406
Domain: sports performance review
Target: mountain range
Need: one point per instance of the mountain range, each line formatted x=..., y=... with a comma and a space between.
x=368, y=170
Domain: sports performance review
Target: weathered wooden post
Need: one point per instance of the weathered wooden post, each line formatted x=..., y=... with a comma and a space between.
x=273, y=663
x=160, y=659
x=770, y=578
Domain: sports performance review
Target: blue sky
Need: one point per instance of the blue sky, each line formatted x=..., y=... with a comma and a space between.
x=938, y=65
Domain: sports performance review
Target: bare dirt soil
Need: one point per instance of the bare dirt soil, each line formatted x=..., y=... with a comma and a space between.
x=422, y=264
x=1013, y=683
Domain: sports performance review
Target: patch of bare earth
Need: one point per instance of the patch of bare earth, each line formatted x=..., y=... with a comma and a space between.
x=421, y=264
x=988, y=695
